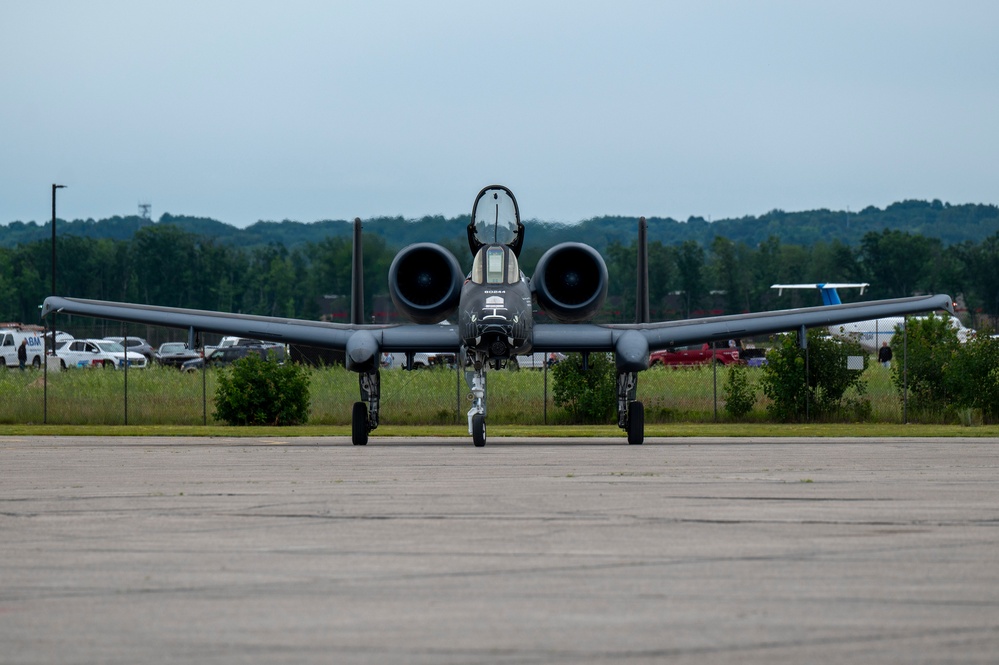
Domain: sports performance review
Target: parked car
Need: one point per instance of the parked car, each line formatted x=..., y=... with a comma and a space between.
x=538, y=360
x=696, y=354
x=97, y=353
x=60, y=337
x=425, y=360
x=230, y=354
x=174, y=354
x=136, y=344
x=229, y=340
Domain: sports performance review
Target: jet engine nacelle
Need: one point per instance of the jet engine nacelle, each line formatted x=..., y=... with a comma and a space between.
x=425, y=282
x=570, y=282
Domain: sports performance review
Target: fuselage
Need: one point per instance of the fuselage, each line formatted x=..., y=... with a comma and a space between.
x=495, y=320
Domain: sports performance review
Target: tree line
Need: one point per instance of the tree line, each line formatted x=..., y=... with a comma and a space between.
x=952, y=224
x=162, y=264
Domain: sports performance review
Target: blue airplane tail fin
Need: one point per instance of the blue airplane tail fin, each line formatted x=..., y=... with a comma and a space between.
x=830, y=296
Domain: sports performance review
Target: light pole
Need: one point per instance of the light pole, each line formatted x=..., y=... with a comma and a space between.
x=45, y=347
x=54, y=188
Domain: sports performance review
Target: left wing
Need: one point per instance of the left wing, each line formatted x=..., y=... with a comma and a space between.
x=632, y=343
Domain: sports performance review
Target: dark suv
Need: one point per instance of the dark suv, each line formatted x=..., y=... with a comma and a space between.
x=230, y=354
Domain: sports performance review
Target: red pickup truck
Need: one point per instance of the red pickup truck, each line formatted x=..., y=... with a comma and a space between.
x=697, y=354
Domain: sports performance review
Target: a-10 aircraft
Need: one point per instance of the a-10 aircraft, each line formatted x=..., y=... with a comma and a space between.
x=495, y=307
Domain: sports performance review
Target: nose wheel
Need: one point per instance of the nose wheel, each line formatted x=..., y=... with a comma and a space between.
x=476, y=380
x=479, y=430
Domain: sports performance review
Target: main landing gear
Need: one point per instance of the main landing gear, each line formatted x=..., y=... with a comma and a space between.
x=364, y=417
x=630, y=412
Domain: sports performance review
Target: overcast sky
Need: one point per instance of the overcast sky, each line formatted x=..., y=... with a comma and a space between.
x=311, y=110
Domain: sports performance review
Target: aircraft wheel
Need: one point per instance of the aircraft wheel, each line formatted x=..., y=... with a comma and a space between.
x=359, y=424
x=479, y=430
x=636, y=423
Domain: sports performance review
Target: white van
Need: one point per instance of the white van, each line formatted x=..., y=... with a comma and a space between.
x=10, y=340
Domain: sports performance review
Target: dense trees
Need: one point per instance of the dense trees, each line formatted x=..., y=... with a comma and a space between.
x=167, y=265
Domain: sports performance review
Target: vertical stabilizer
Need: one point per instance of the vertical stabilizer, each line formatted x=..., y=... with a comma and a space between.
x=357, y=277
x=827, y=290
x=642, y=293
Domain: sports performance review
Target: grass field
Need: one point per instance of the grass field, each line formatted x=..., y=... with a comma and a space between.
x=428, y=398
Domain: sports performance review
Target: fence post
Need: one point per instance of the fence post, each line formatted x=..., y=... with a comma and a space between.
x=124, y=343
x=204, y=387
x=905, y=370
x=714, y=378
x=546, y=390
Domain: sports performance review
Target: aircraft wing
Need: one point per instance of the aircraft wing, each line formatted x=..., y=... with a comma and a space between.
x=399, y=338
x=615, y=337
x=630, y=341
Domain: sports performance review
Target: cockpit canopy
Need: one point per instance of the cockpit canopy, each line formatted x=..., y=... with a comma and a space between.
x=495, y=264
x=495, y=219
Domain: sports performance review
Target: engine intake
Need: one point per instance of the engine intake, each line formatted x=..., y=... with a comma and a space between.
x=425, y=282
x=570, y=282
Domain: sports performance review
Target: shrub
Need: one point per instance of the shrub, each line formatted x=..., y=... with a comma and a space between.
x=739, y=394
x=254, y=391
x=972, y=375
x=588, y=396
x=930, y=347
x=821, y=393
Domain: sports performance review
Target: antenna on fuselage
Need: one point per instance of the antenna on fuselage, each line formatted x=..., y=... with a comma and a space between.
x=357, y=277
x=642, y=293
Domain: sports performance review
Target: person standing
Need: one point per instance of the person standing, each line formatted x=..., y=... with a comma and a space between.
x=22, y=353
x=884, y=355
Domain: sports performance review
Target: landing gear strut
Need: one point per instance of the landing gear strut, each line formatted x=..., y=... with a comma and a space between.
x=476, y=380
x=364, y=417
x=630, y=412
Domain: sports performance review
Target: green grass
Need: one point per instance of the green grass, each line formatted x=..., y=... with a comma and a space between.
x=678, y=402
x=688, y=430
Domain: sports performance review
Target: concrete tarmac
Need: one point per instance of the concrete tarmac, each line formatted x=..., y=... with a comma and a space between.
x=197, y=550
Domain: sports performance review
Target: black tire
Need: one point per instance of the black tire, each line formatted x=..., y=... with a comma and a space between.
x=62, y=363
x=636, y=423
x=479, y=430
x=108, y=364
x=37, y=362
x=359, y=424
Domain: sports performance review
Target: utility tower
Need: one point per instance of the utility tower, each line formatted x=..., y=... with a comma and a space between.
x=144, y=209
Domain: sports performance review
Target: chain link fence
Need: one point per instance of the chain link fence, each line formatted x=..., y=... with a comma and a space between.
x=159, y=395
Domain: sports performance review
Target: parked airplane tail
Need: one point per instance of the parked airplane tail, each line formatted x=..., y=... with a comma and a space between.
x=870, y=334
x=827, y=289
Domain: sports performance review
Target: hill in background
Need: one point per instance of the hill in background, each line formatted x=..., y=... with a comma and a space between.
x=952, y=224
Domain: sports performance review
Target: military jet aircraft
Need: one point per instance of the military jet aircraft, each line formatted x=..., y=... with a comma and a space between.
x=495, y=313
